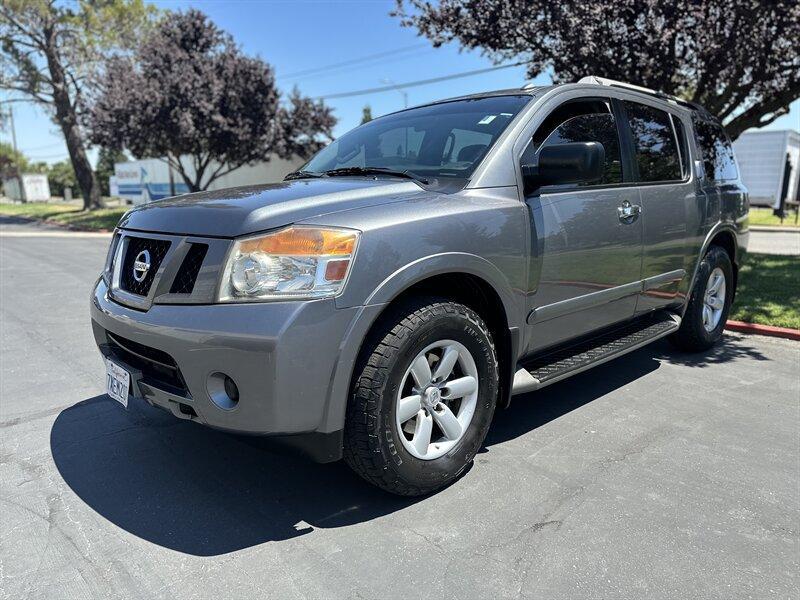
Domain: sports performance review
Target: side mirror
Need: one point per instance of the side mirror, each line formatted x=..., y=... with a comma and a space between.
x=576, y=162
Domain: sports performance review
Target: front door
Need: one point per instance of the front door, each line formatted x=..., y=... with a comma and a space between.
x=586, y=239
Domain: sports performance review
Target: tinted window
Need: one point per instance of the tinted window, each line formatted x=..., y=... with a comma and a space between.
x=715, y=145
x=445, y=140
x=581, y=121
x=654, y=142
x=682, y=146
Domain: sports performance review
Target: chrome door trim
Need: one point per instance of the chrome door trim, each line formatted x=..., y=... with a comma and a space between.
x=570, y=305
x=663, y=279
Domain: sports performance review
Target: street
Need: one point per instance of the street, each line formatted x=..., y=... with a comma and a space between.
x=659, y=474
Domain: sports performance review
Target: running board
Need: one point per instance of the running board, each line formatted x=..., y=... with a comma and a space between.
x=560, y=364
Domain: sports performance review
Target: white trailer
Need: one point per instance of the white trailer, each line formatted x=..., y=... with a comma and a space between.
x=769, y=162
x=34, y=188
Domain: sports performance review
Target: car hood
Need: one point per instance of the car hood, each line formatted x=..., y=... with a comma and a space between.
x=239, y=211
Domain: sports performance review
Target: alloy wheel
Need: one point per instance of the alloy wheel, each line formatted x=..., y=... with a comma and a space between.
x=437, y=399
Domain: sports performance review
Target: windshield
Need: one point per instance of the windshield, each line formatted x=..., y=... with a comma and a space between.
x=445, y=140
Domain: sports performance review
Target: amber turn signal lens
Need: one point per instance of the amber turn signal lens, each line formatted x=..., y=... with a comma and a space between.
x=336, y=270
x=302, y=241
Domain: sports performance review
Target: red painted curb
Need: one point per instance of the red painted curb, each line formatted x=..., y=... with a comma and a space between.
x=781, y=332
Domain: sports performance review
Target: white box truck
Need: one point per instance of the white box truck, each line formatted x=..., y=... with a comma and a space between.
x=769, y=162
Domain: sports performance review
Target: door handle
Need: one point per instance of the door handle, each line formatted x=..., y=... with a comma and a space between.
x=628, y=212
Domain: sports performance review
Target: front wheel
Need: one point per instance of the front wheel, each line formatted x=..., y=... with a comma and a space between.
x=423, y=398
x=709, y=305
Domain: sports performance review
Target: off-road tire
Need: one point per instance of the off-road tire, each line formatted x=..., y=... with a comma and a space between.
x=371, y=446
x=692, y=335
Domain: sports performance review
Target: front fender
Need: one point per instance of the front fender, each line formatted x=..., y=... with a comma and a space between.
x=448, y=262
x=389, y=289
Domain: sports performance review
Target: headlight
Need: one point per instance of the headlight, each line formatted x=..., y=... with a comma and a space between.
x=294, y=263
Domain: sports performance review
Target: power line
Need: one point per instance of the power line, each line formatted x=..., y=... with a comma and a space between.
x=47, y=156
x=45, y=147
x=352, y=61
x=387, y=88
x=376, y=62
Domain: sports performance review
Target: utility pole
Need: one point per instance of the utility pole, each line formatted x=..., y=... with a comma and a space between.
x=399, y=89
x=16, y=173
x=405, y=102
x=14, y=146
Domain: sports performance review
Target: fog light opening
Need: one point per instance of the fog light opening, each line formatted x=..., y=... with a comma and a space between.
x=231, y=390
x=223, y=391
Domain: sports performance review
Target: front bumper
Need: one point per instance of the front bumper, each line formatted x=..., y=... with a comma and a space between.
x=282, y=356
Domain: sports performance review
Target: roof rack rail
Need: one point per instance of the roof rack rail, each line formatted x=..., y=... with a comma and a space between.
x=594, y=80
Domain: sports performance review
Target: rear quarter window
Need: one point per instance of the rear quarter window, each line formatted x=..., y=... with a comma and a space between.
x=715, y=145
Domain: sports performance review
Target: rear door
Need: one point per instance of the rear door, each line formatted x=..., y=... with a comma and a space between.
x=586, y=254
x=669, y=200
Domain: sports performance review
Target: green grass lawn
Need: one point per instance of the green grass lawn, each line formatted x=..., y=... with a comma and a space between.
x=769, y=291
x=102, y=219
x=764, y=216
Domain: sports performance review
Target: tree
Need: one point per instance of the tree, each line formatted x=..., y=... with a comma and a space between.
x=12, y=162
x=50, y=51
x=60, y=176
x=366, y=114
x=189, y=96
x=740, y=59
x=106, y=158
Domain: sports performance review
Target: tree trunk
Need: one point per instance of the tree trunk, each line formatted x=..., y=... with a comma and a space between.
x=67, y=119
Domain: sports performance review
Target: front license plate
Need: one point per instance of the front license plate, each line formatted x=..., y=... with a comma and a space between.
x=118, y=382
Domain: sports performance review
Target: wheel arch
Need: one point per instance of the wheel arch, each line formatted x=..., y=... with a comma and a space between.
x=725, y=237
x=726, y=240
x=467, y=283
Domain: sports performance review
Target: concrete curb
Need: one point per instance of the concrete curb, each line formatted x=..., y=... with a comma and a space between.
x=774, y=229
x=63, y=226
x=768, y=330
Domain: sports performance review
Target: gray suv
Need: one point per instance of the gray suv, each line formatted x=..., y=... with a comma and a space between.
x=380, y=303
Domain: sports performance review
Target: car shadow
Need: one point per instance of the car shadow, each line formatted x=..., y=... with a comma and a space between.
x=732, y=346
x=200, y=491
x=534, y=409
x=203, y=492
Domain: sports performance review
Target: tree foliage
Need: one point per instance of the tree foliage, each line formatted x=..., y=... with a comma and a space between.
x=189, y=94
x=61, y=175
x=366, y=114
x=49, y=53
x=12, y=163
x=106, y=158
x=738, y=58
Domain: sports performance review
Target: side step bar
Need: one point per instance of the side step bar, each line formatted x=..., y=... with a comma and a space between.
x=560, y=364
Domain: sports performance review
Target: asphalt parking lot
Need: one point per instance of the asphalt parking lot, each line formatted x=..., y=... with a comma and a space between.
x=658, y=475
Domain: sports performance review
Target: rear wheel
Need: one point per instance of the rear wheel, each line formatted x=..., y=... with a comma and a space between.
x=423, y=398
x=709, y=305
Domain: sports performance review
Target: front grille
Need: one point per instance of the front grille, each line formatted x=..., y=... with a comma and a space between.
x=190, y=268
x=157, y=367
x=157, y=250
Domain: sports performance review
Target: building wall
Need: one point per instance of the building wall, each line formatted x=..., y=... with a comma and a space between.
x=146, y=180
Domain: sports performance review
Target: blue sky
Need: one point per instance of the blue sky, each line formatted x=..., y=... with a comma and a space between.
x=298, y=35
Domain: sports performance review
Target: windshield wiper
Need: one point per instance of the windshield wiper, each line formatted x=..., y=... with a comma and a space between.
x=344, y=171
x=303, y=175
